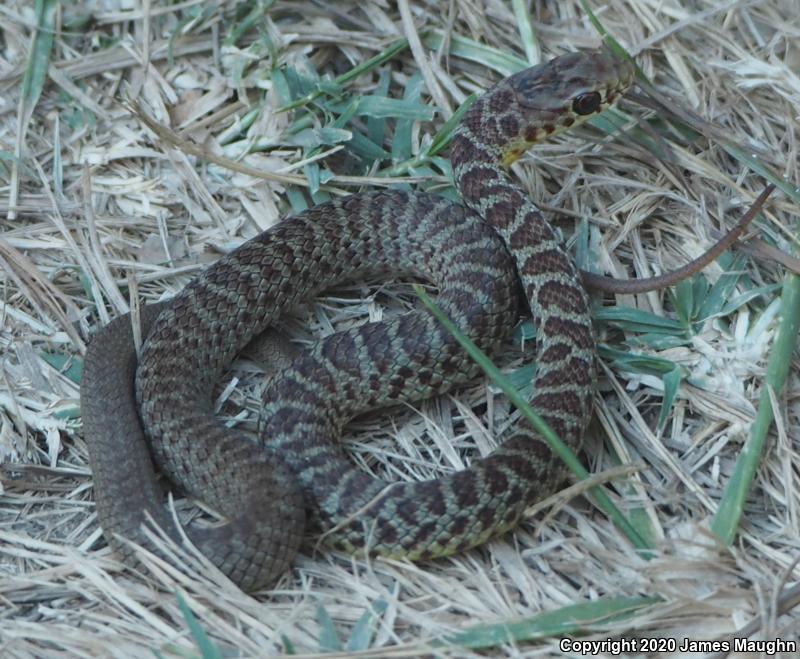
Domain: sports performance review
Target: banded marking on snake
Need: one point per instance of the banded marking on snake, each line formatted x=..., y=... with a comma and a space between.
x=475, y=253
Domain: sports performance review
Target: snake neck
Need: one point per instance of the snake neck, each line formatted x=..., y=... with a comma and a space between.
x=490, y=135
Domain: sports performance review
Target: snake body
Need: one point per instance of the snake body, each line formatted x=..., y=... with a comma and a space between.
x=264, y=487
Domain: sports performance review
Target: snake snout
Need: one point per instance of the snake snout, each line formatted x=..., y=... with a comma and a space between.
x=562, y=86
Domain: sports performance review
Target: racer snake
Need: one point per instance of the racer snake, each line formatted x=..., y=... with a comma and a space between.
x=475, y=253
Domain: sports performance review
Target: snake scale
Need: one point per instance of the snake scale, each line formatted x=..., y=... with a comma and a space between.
x=477, y=254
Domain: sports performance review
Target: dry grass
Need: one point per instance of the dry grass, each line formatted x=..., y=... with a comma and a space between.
x=96, y=203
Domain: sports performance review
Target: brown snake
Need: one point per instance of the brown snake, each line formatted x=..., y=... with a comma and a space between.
x=263, y=488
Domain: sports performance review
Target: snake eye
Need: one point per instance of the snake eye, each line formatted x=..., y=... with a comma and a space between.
x=586, y=103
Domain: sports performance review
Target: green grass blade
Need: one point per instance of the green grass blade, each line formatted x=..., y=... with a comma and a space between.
x=553, y=441
x=207, y=649
x=32, y=85
x=726, y=520
x=39, y=57
x=682, y=296
x=492, y=58
x=68, y=365
x=376, y=126
x=382, y=106
x=740, y=300
x=401, y=143
x=753, y=163
x=526, y=32
x=328, y=636
x=446, y=132
x=669, y=373
x=613, y=45
x=58, y=164
x=288, y=646
x=439, y=142
x=566, y=621
x=253, y=18
x=353, y=73
x=364, y=629
x=671, y=381
x=722, y=289
x=366, y=149
x=636, y=320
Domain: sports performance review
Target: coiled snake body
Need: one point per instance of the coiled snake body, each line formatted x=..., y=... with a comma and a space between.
x=264, y=487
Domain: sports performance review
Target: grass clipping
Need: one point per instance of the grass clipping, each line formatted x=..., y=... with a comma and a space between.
x=102, y=204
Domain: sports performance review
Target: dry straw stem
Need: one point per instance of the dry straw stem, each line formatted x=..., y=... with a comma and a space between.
x=100, y=204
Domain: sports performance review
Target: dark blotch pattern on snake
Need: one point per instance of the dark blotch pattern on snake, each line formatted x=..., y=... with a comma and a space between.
x=263, y=487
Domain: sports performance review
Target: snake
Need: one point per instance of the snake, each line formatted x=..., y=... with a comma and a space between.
x=152, y=412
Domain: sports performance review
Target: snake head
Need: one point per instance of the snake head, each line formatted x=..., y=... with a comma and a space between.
x=562, y=93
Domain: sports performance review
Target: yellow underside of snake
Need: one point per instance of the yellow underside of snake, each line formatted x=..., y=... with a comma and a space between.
x=476, y=253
